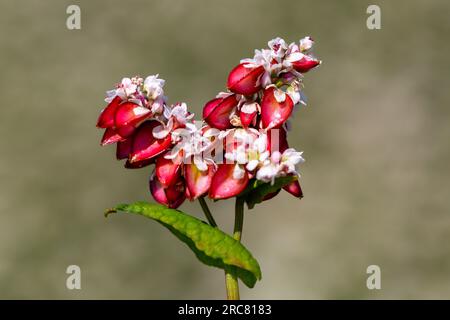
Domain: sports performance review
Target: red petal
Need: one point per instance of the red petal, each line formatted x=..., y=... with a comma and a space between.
x=294, y=189
x=218, y=112
x=110, y=136
x=106, y=118
x=145, y=146
x=242, y=80
x=130, y=114
x=274, y=113
x=224, y=186
x=123, y=149
x=167, y=170
x=247, y=118
x=305, y=64
x=198, y=182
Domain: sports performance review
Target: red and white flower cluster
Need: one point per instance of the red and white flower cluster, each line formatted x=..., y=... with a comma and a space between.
x=242, y=137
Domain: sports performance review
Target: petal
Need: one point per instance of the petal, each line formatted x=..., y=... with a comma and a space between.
x=294, y=189
x=244, y=80
x=224, y=186
x=218, y=112
x=130, y=114
x=198, y=182
x=106, y=118
x=274, y=113
x=110, y=136
x=167, y=170
x=145, y=145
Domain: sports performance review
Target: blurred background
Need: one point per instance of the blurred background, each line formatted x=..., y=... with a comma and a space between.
x=375, y=134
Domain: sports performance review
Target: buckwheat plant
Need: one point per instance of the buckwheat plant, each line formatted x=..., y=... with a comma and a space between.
x=239, y=150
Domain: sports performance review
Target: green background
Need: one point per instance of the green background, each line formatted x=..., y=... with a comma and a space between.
x=375, y=135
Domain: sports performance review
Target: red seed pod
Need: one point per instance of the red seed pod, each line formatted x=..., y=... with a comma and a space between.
x=224, y=185
x=145, y=145
x=244, y=79
x=275, y=112
x=172, y=197
x=106, y=118
x=198, y=182
x=305, y=64
x=294, y=189
x=217, y=112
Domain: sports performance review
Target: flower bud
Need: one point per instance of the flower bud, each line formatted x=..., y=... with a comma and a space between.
x=276, y=107
x=244, y=79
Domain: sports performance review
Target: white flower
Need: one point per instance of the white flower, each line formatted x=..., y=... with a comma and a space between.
x=280, y=165
x=129, y=86
x=178, y=114
x=306, y=43
x=278, y=47
x=154, y=86
x=191, y=143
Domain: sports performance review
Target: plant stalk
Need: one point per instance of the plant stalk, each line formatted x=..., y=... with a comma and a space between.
x=231, y=279
x=207, y=212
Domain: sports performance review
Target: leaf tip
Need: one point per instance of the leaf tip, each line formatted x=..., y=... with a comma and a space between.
x=109, y=211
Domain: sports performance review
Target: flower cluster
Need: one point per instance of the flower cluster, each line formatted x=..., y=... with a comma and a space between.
x=242, y=137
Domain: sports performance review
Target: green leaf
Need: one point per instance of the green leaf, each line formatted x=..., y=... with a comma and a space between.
x=257, y=190
x=211, y=246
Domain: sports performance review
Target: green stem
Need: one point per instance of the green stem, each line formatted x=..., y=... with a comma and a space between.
x=231, y=279
x=207, y=212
